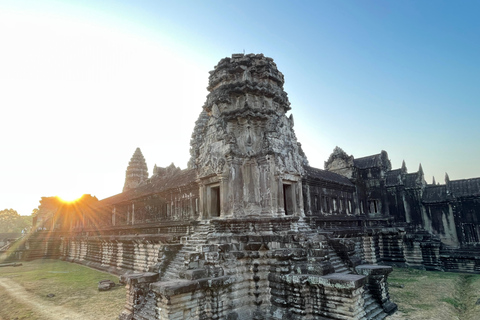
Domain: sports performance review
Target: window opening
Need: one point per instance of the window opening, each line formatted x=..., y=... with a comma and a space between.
x=373, y=206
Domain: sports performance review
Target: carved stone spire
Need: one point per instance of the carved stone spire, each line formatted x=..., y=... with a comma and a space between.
x=420, y=173
x=244, y=139
x=433, y=181
x=137, y=171
x=421, y=176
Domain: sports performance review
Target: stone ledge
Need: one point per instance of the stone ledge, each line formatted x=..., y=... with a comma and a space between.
x=144, y=277
x=336, y=280
x=372, y=269
x=179, y=286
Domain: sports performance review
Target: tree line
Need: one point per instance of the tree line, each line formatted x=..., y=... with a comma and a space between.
x=12, y=222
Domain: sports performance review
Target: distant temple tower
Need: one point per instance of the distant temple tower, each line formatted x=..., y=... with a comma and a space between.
x=244, y=148
x=137, y=171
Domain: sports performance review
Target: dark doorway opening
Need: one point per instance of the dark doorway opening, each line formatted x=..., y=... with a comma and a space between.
x=215, y=201
x=288, y=199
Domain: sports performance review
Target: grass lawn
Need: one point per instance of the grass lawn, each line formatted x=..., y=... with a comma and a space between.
x=434, y=295
x=24, y=290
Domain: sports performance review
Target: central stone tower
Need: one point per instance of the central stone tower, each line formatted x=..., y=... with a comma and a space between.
x=244, y=148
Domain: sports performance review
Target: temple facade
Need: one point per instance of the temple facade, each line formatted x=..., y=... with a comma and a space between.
x=250, y=231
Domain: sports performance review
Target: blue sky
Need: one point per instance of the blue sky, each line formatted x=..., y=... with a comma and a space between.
x=86, y=82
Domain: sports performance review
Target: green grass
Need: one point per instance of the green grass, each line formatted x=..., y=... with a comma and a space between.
x=74, y=287
x=434, y=295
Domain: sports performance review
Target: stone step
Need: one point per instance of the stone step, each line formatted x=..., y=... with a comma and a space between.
x=191, y=244
x=373, y=310
x=337, y=263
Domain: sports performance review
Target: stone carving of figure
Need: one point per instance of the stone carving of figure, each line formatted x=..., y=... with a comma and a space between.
x=231, y=139
x=220, y=165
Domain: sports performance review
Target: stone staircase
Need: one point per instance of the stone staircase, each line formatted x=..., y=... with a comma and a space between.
x=337, y=263
x=5, y=247
x=373, y=310
x=191, y=244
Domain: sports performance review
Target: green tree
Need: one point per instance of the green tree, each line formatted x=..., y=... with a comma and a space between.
x=11, y=221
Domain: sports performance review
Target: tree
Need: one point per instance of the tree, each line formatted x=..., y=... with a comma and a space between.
x=12, y=222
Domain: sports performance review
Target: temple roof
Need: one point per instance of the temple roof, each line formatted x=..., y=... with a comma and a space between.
x=373, y=161
x=393, y=177
x=156, y=184
x=411, y=180
x=465, y=187
x=367, y=162
x=435, y=194
x=320, y=174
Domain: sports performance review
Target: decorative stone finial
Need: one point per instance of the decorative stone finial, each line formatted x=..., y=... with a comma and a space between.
x=244, y=117
x=137, y=171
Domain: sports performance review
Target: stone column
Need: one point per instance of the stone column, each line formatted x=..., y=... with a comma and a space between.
x=133, y=213
x=201, y=206
x=224, y=206
x=280, y=202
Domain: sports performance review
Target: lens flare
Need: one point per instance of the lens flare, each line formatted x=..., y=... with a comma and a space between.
x=69, y=198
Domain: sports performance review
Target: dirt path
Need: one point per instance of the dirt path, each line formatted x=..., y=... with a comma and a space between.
x=45, y=310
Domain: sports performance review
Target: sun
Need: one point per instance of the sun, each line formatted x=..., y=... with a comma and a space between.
x=69, y=197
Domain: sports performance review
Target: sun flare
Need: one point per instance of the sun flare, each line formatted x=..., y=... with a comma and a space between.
x=69, y=198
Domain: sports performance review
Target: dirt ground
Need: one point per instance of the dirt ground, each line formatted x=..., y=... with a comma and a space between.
x=24, y=292
x=419, y=294
x=44, y=311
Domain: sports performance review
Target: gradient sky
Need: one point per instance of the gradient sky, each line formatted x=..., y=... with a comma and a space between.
x=83, y=83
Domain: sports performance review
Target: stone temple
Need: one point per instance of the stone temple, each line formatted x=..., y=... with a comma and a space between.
x=250, y=231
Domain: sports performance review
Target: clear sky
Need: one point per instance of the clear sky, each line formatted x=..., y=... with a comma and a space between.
x=83, y=83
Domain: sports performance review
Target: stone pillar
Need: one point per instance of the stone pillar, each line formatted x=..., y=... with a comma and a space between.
x=133, y=213
x=378, y=285
x=280, y=202
x=201, y=206
x=223, y=197
x=299, y=198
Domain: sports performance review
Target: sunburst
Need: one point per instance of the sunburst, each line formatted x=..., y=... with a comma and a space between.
x=67, y=198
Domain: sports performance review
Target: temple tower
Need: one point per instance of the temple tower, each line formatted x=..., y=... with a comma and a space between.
x=244, y=147
x=137, y=171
